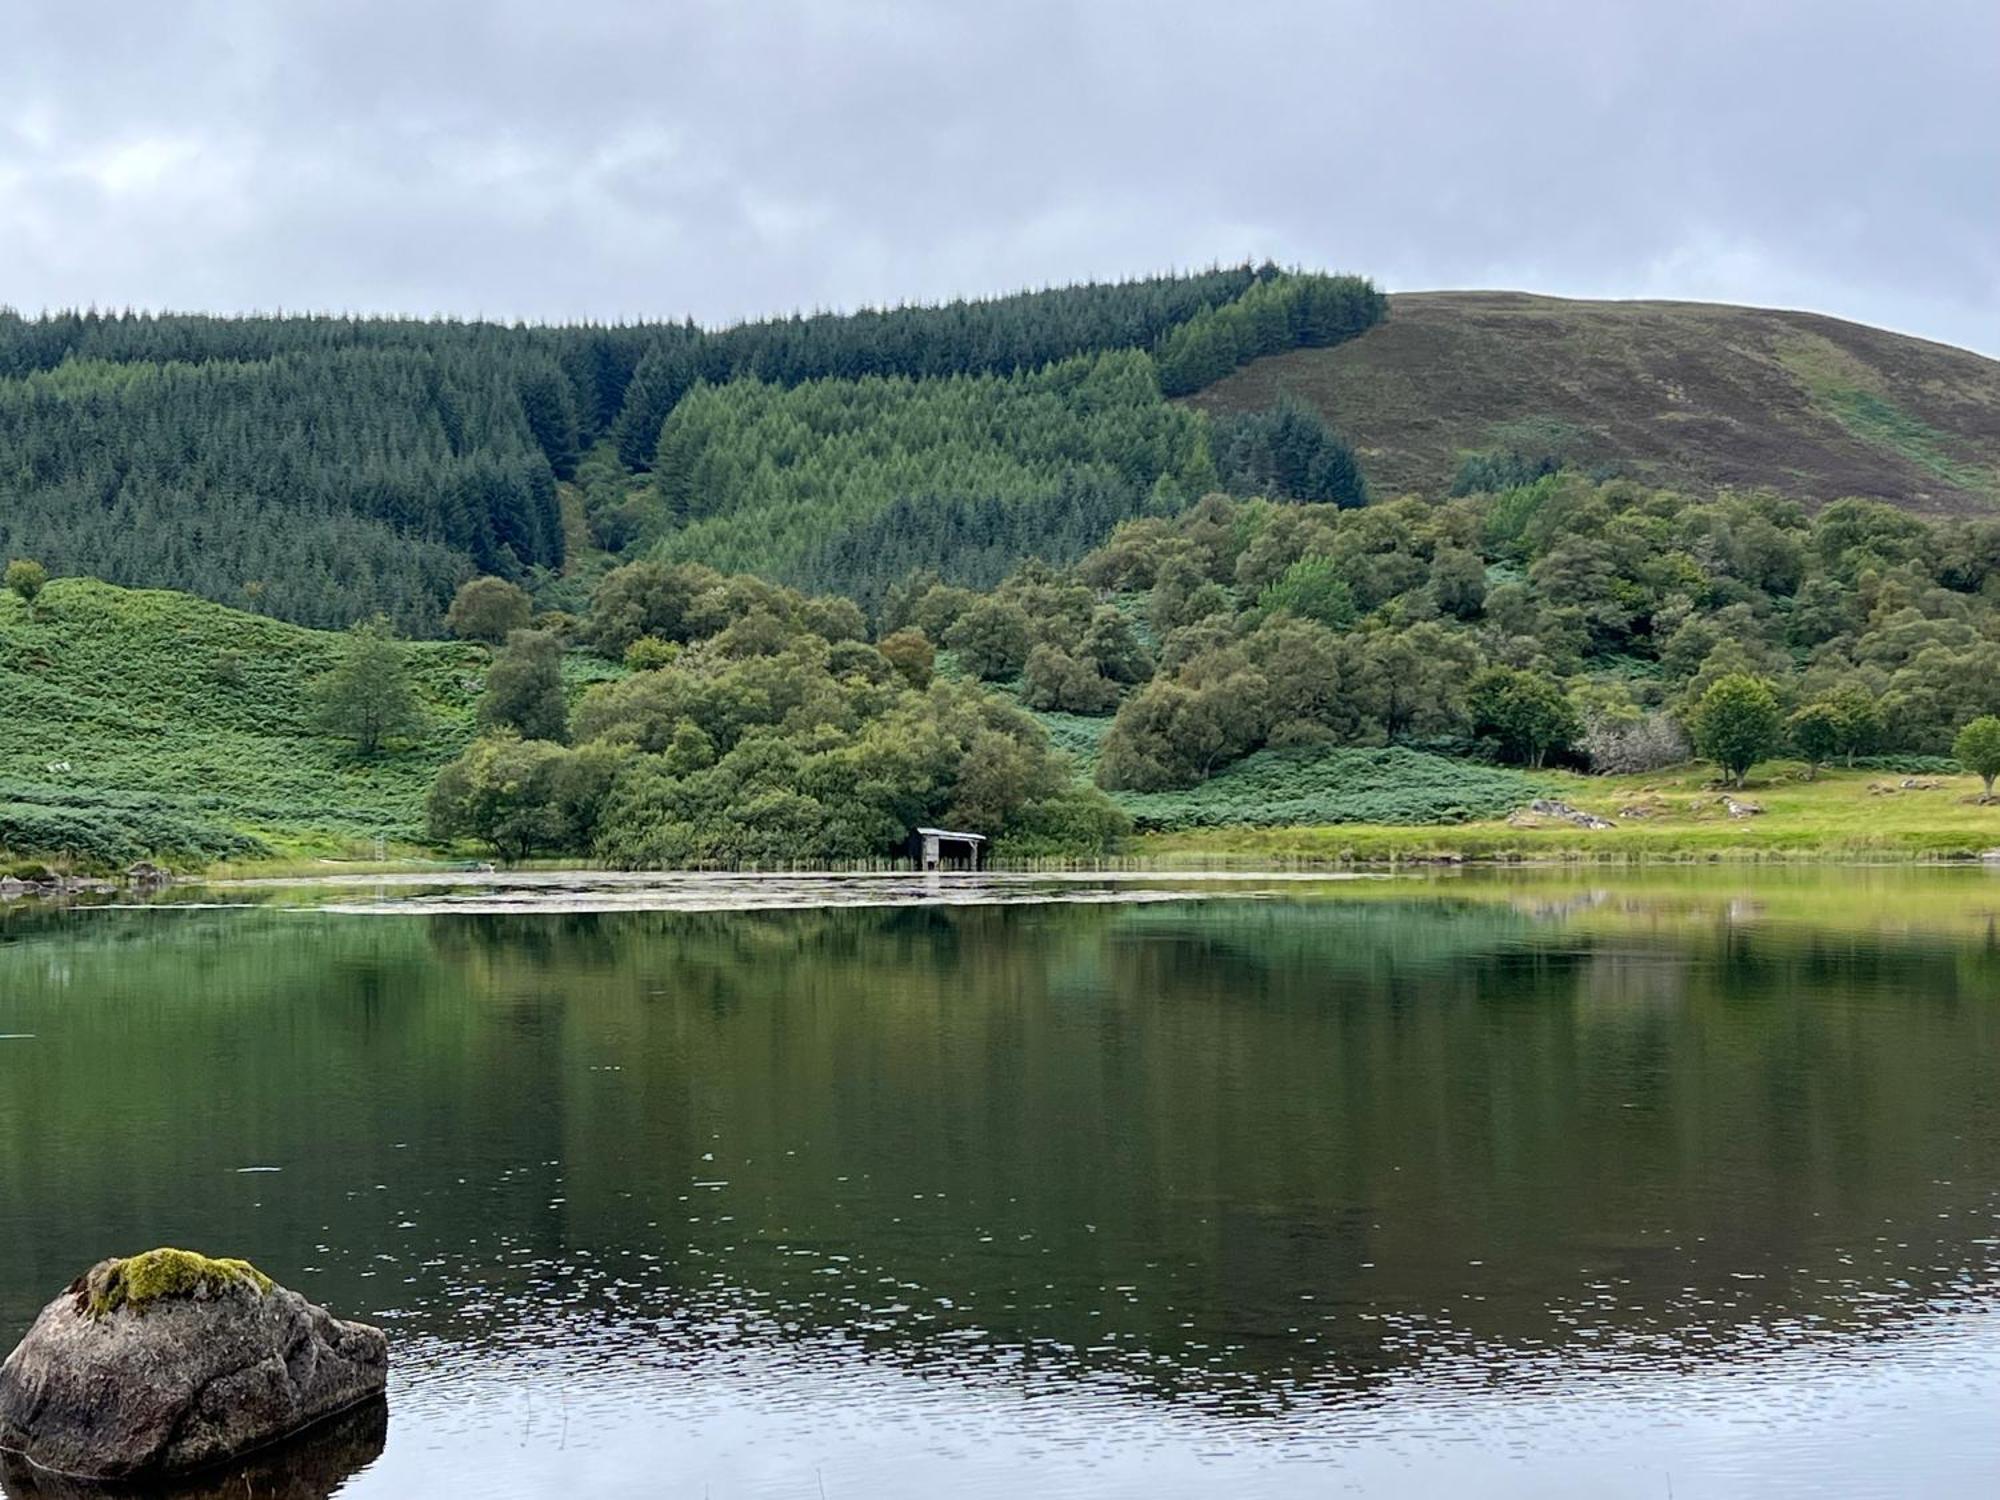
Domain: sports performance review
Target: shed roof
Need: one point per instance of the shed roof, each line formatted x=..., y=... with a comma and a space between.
x=947, y=833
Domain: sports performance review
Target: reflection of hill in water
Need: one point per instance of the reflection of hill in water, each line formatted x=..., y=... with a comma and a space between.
x=1252, y=1145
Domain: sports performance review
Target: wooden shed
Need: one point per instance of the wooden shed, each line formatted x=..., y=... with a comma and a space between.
x=943, y=849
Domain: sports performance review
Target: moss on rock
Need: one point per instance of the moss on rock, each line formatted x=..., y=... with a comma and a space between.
x=140, y=1280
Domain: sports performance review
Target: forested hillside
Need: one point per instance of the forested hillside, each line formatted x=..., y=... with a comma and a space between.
x=325, y=469
x=1565, y=620
x=799, y=484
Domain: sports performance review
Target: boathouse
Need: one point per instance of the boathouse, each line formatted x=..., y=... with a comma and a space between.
x=942, y=849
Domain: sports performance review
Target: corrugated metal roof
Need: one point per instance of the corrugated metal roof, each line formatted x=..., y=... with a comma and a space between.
x=946, y=833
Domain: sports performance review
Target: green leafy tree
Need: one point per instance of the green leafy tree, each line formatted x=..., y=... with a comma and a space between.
x=991, y=639
x=649, y=653
x=1817, y=734
x=911, y=653
x=1169, y=734
x=1112, y=642
x=1736, y=723
x=1859, y=718
x=26, y=579
x=1458, y=579
x=1525, y=711
x=1053, y=679
x=642, y=599
x=367, y=697
x=1977, y=748
x=524, y=688
x=502, y=791
x=1312, y=589
x=489, y=610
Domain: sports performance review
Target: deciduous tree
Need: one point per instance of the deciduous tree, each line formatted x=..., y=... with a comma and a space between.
x=26, y=579
x=1816, y=734
x=524, y=688
x=1977, y=748
x=1736, y=724
x=367, y=697
x=1525, y=711
x=488, y=609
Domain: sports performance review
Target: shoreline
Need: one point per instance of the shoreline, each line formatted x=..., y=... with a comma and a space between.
x=1681, y=817
x=1281, y=853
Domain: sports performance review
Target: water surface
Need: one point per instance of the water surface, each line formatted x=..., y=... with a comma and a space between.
x=1528, y=1186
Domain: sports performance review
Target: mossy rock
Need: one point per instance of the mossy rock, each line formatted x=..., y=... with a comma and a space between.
x=165, y=1363
x=137, y=1281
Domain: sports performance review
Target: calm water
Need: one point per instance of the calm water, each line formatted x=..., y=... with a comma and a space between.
x=1686, y=1185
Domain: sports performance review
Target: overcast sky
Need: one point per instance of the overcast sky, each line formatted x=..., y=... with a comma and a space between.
x=557, y=159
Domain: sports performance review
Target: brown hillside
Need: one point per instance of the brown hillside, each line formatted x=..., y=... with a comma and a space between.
x=1689, y=395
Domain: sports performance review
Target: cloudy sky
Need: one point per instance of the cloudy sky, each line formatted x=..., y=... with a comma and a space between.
x=557, y=159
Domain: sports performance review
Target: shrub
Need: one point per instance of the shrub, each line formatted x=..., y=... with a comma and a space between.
x=649, y=653
x=1620, y=747
x=26, y=579
x=110, y=832
x=489, y=610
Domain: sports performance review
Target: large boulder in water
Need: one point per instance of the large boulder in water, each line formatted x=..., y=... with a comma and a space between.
x=167, y=1362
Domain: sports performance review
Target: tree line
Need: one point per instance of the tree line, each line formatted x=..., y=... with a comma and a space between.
x=326, y=469
x=757, y=727
x=314, y=489
x=1600, y=624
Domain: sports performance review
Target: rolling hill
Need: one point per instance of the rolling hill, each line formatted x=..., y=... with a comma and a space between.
x=1687, y=395
x=147, y=722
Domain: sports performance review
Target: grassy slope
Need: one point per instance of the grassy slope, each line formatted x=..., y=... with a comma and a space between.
x=1687, y=395
x=1335, y=784
x=121, y=684
x=1835, y=817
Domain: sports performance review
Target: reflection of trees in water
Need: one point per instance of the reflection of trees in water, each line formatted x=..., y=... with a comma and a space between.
x=1260, y=1144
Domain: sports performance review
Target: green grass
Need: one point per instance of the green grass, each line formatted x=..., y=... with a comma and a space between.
x=115, y=702
x=1839, y=816
x=1079, y=736
x=1886, y=425
x=1335, y=786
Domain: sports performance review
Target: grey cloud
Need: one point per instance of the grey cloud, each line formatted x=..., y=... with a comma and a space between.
x=599, y=158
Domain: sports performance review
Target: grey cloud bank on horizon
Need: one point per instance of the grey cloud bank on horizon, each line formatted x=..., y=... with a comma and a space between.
x=604, y=159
